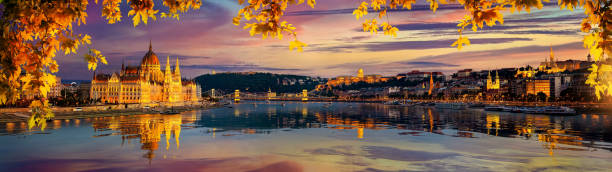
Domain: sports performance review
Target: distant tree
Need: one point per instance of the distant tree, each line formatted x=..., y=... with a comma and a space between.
x=531, y=97
x=569, y=94
x=541, y=96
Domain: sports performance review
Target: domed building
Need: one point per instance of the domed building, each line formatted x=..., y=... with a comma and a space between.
x=145, y=83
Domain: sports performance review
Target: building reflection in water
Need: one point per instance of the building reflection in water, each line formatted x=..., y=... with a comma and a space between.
x=576, y=133
x=149, y=130
x=554, y=132
x=493, y=123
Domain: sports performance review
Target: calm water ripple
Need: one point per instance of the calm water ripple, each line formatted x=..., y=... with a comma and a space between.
x=293, y=136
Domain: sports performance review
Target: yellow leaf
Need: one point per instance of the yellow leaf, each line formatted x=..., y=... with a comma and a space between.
x=86, y=39
x=297, y=45
x=460, y=42
x=312, y=3
x=136, y=20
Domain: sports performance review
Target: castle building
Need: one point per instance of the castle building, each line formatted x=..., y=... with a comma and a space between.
x=348, y=80
x=146, y=83
x=360, y=73
x=551, y=66
x=526, y=72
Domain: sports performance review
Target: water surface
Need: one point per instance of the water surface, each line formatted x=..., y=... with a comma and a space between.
x=293, y=136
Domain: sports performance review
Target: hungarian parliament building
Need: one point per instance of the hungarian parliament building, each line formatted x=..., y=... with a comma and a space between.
x=146, y=83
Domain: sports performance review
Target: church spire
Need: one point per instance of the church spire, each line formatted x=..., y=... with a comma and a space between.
x=150, y=46
x=167, y=65
x=552, y=55
x=176, y=68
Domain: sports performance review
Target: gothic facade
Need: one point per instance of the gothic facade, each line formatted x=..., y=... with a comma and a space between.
x=146, y=83
x=493, y=85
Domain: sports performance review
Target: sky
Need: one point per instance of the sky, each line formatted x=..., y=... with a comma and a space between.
x=205, y=40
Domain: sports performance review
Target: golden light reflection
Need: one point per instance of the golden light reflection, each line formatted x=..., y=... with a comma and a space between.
x=236, y=112
x=431, y=121
x=550, y=137
x=341, y=123
x=148, y=129
x=360, y=132
x=10, y=127
x=493, y=122
x=304, y=111
x=57, y=124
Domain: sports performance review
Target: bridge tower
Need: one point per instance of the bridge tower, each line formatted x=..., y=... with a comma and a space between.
x=304, y=95
x=237, y=96
x=212, y=93
x=271, y=94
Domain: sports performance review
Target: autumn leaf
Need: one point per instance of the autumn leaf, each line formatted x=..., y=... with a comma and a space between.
x=297, y=45
x=312, y=3
x=460, y=42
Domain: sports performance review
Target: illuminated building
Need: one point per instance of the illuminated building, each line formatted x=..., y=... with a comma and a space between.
x=464, y=73
x=536, y=86
x=271, y=95
x=236, y=95
x=526, y=73
x=360, y=73
x=146, y=83
x=551, y=66
x=304, y=95
x=493, y=85
x=348, y=80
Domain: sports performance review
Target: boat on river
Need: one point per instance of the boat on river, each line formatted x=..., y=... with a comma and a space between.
x=558, y=110
x=507, y=108
x=493, y=108
x=393, y=102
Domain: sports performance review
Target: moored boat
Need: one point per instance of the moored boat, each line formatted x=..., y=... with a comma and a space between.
x=493, y=108
x=558, y=110
x=507, y=108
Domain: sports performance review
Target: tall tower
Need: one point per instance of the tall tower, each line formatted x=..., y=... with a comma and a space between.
x=168, y=72
x=167, y=82
x=497, y=83
x=552, y=58
x=176, y=68
x=489, y=81
x=177, y=86
x=589, y=58
x=360, y=73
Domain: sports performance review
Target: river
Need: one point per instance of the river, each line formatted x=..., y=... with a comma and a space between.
x=295, y=136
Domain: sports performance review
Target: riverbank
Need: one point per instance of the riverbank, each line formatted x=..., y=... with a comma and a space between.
x=21, y=115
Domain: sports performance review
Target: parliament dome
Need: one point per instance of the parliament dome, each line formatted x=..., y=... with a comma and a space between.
x=150, y=58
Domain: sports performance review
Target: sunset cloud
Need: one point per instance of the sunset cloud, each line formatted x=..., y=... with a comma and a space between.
x=206, y=39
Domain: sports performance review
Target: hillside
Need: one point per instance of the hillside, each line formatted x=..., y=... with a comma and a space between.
x=257, y=82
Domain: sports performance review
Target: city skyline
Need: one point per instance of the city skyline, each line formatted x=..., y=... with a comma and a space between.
x=205, y=35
